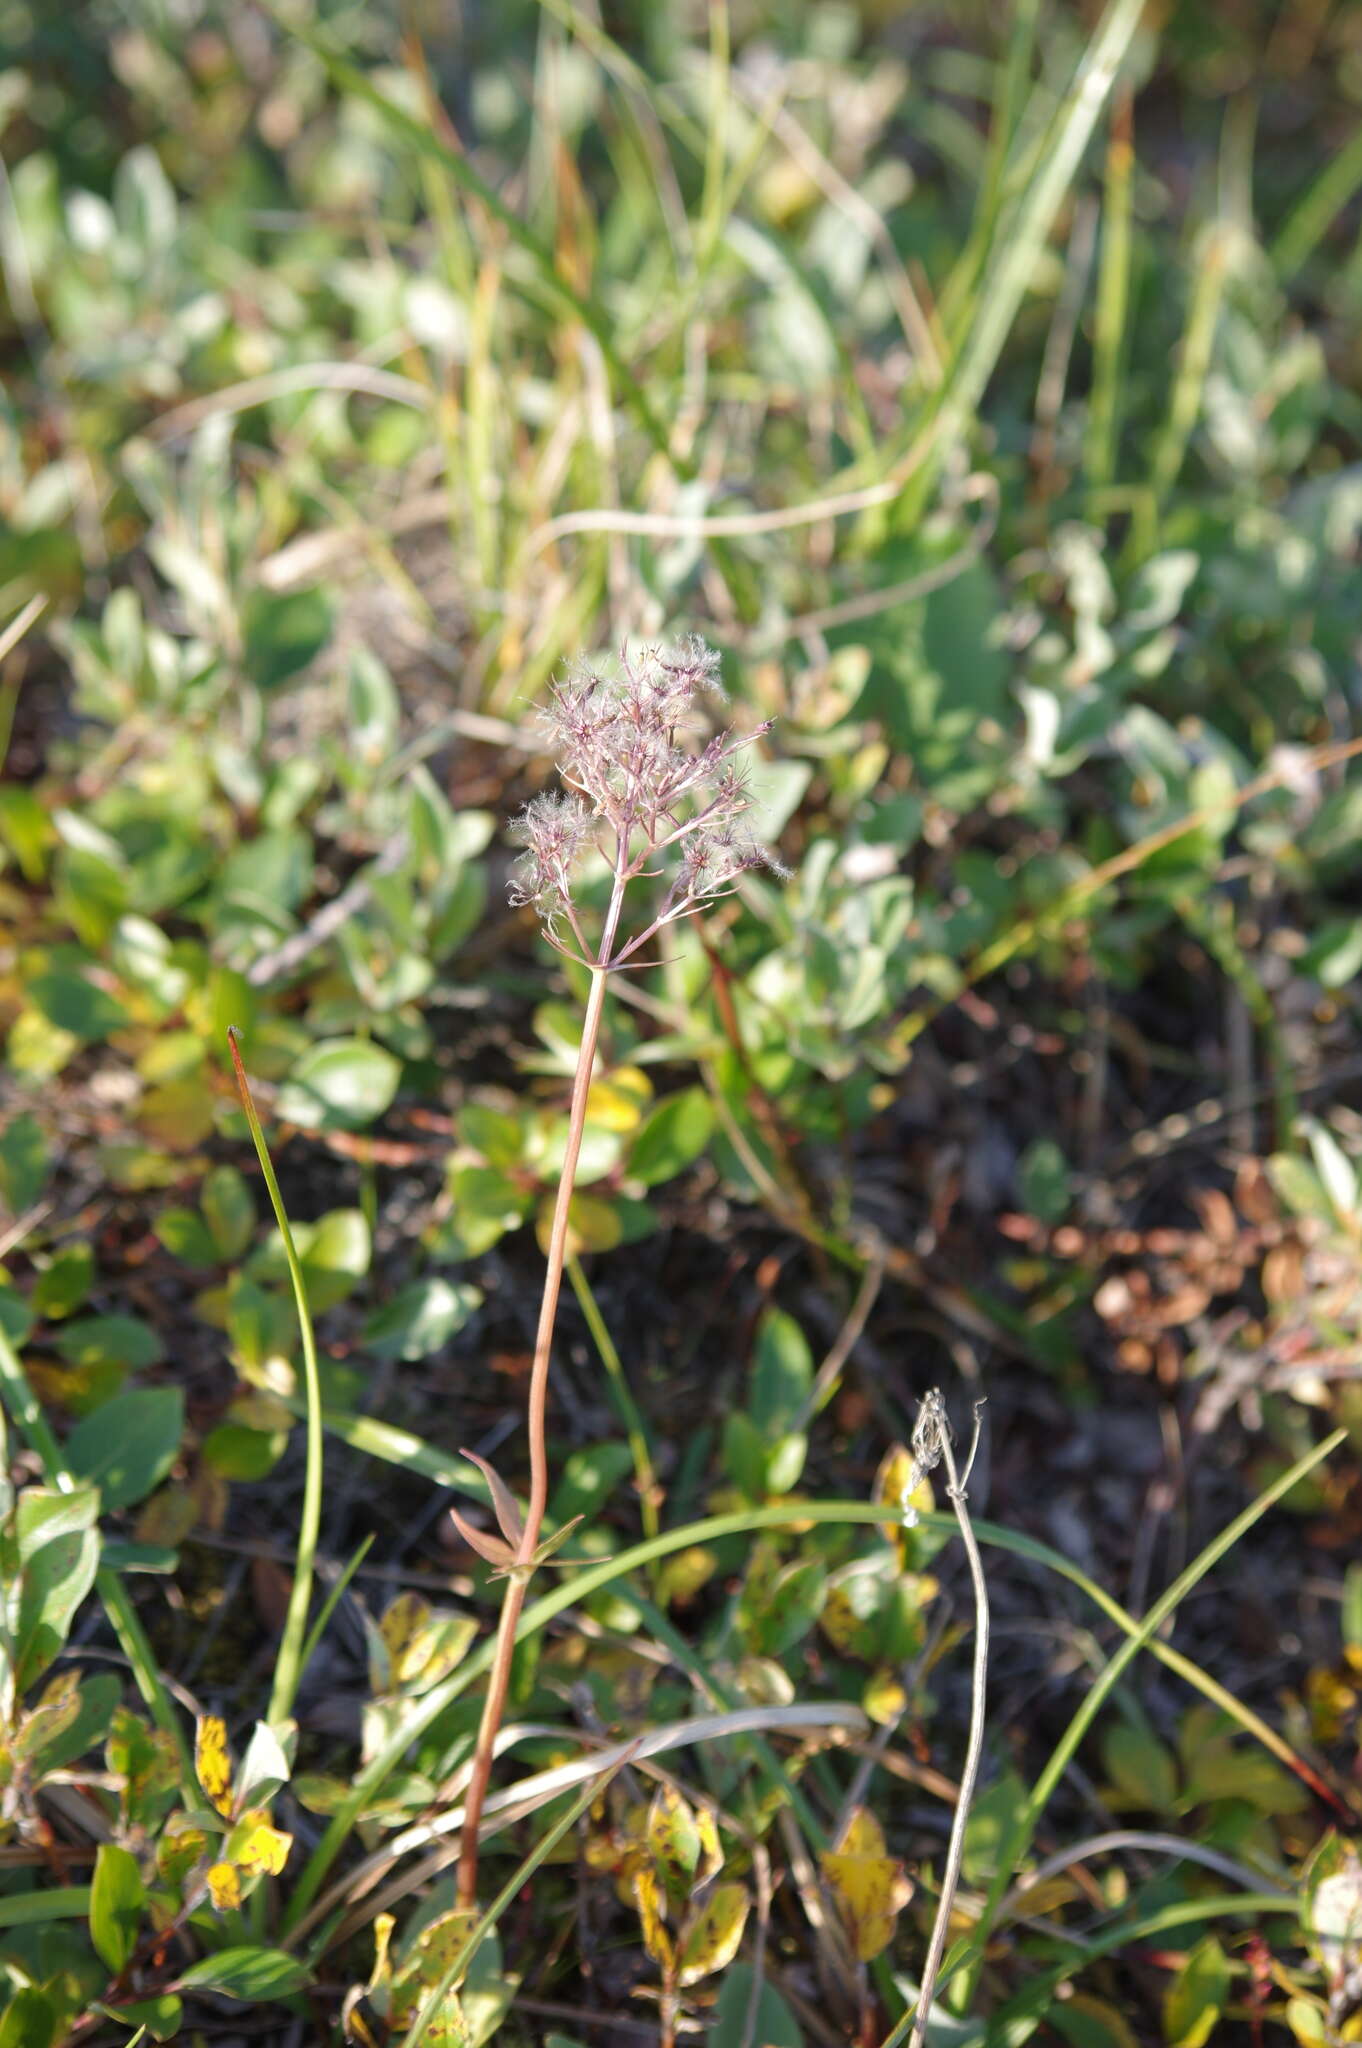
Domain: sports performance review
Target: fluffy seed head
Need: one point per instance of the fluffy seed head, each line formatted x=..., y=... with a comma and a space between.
x=644, y=784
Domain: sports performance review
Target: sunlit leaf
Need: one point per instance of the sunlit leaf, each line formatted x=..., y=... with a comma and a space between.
x=869, y=1886
x=1197, y=1996
x=212, y=1761
x=712, y=1939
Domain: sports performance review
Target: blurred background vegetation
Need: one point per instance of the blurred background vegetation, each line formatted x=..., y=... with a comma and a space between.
x=984, y=383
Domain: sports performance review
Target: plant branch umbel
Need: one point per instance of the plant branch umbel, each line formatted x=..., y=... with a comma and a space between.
x=660, y=807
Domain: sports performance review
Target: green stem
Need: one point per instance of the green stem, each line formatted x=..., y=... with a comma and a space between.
x=1311, y=217
x=645, y=1477
x=1194, y=361
x=1113, y=299
x=288, y=1665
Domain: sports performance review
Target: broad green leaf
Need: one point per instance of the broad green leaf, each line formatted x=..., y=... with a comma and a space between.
x=1143, y=1772
x=71, y=1003
x=122, y=1341
x=64, y=1282
x=127, y=1447
x=674, y=1134
x=29, y=2020
x=228, y=1211
x=1197, y=1997
x=58, y=1549
x=25, y=1162
x=776, y=2025
x=186, y=1236
x=283, y=633
x=782, y=1375
x=420, y=1319
x=588, y=1478
x=237, y=1451
x=745, y=1452
x=16, y=1317
x=785, y=1462
x=162, y=2017
x=258, y=1975
x=484, y=1204
x=339, y=1084
x=118, y=1899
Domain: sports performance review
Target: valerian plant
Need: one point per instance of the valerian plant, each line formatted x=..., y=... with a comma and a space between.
x=661, y=807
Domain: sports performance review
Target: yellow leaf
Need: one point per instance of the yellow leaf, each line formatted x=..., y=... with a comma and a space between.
x=711, y=1855
x=259, y=1849
x=224, y=1886
x=885, y=1697
x=647, y=1895
x=401, y=1628
x=437, y=1946
x=383, y=1934
x=868, y=1885
x=618, y=1100
x=892, y=1485
x=711, y=1941
x=673, y=1840
x=212, y=1762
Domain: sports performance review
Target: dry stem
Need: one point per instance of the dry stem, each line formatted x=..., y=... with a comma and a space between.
x=519, y=1577
x=970, y=1776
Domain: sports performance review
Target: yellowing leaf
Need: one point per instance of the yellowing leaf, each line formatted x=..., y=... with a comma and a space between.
x=673, y=1840
x=383, y=1934
x=212, y=1762
x=259, y=1849
x=1091, y=2023
x=438, y=1945
x=711, y=1855
x=1197, y=1996
x=401, y=1629
x=647, y=1896
x=869, y=1886
x=712, y=1940
x=594, y=1224
x=618, y=1100
x=884, y=1697
x=446, y=2027
x=894, y=1485
x=180, y=1848
x=224, y=1886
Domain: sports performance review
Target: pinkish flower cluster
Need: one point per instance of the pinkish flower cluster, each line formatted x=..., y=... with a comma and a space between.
x=625, y=743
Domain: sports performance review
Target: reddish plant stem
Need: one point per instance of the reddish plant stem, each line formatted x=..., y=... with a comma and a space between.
x=499, y=1678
